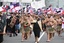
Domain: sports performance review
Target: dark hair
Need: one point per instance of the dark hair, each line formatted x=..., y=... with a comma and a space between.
x=43, y=19
x=48, y=16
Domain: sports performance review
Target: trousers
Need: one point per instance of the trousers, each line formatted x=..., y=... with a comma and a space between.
x=1, y=38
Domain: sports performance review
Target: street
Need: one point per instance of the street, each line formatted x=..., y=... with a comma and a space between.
x=17, y=39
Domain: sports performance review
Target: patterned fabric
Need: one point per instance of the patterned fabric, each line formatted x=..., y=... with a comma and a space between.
x=58, y=27
x=49, y=29
x=25, y=28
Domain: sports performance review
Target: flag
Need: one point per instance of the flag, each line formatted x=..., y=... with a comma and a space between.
x=11, y=6
x=15, y=4
x=49, y=10
x=2, y=9
x=18, y=8
x=14, y=7
x=6, y=7
x=62, y=12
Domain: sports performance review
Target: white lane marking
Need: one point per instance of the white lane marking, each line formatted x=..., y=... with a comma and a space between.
x=41, y=36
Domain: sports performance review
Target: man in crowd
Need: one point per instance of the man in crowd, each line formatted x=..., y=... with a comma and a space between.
x=2, y=26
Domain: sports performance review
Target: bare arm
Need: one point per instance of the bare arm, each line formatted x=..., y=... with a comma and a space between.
x=4, y=29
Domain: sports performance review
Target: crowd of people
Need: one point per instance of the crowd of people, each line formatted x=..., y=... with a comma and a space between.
x=25, y=23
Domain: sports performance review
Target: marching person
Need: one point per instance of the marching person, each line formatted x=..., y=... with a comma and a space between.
x=59, y=24
x=17, y=24
x=22, y=27
x=2, y=26
x=37, y=27
x=12, y=25
x=62, y=23
x=25, y=27
x=50, y=24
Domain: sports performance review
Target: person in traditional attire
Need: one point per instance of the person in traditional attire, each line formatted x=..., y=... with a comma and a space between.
x=25, y=25
x=59, y=24
x=50, y=24
x=62, y=23
x=21, y=20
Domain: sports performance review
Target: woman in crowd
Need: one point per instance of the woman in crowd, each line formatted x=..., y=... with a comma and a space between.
x=37, y=27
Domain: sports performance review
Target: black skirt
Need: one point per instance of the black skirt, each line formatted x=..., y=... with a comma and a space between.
x=36, y=30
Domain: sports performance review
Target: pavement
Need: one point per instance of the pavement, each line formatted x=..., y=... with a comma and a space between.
x=17, y=39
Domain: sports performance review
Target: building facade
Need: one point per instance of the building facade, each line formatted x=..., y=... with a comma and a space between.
x=54, y=3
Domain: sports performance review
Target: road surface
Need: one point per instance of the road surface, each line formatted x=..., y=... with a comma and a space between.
x=17, y=39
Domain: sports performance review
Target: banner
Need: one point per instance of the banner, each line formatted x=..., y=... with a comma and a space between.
x=38, y=4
